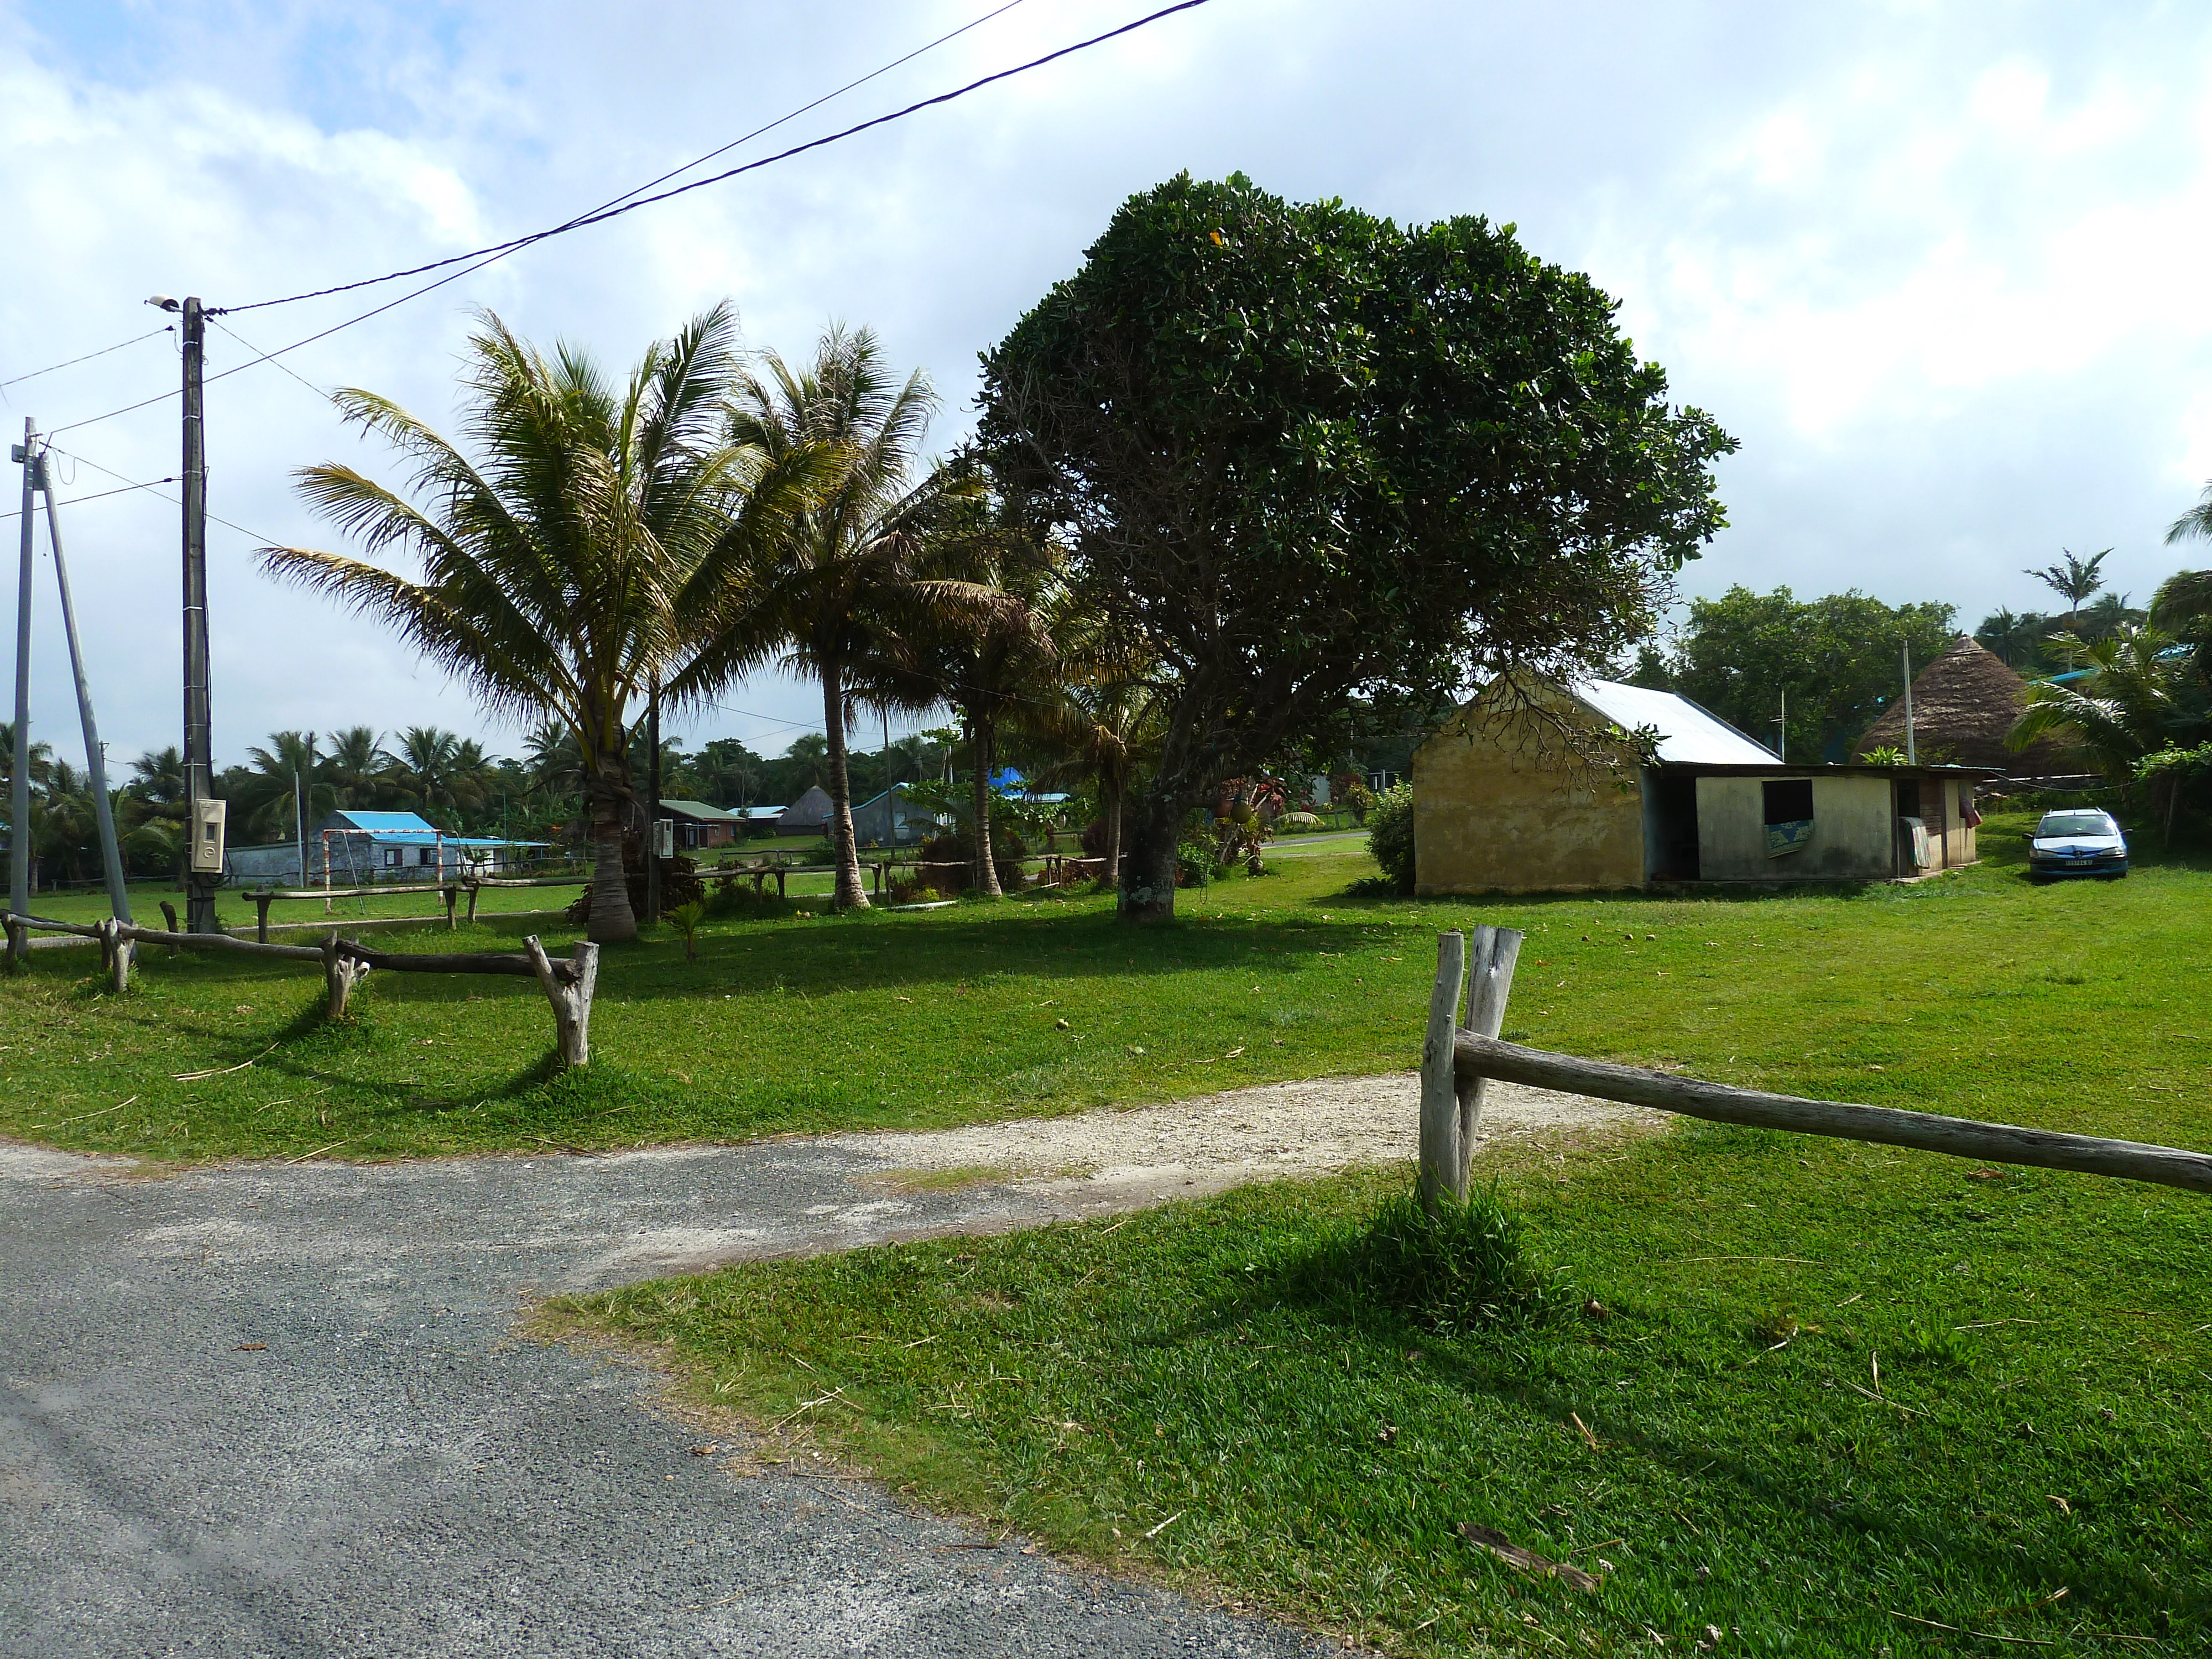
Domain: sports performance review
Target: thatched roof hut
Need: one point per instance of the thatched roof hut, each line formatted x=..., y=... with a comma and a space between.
x=1964, y=704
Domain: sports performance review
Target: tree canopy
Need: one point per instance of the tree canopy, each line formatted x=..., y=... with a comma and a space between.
x=1297, y=451
x=1837, y=658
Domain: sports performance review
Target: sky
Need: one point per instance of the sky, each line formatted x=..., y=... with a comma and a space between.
x=1940, y=269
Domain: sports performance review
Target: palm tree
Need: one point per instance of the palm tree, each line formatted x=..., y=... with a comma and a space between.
x=554, y=561
x=850, y=569
x=2073, y=581
x=2123, y=708
x=2183, y=607
x=281, y=770
x=357, y=769
x=423, y=765
x=158, y=774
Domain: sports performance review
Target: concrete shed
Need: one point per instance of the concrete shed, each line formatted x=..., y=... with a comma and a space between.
x=1502, y=803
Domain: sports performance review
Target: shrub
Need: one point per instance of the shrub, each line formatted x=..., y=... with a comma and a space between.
x=1466, y=1267
x=957, y=848
x=1390, y=836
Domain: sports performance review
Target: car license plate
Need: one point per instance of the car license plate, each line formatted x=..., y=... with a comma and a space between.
x=2077, y=863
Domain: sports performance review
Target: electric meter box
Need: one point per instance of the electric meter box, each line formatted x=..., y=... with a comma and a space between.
x=664, y=838
x=207, y=836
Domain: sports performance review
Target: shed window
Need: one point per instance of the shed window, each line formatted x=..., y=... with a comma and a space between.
x=1789, y=800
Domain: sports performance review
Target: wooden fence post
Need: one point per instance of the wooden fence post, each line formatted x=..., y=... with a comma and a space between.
x=1495, y=949
x=1440, y=1111
x=452, y=895
x=475, y=887
x=19, y=940
x=261, y=921
x=572, y=1003
x=341, y=974
x=116, y=953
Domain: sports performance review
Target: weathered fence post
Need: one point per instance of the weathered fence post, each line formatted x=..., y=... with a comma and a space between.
x=115, y=954
x=572, y=1003
x=169, y=915
x=341, y=974
x=1440, y=1113
x=261, y=917
x=450, y=895
x=475, y=887
x=1490, y=972
x=19, y=941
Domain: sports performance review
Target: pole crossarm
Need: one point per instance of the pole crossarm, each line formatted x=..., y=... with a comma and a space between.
x=1475, y=1056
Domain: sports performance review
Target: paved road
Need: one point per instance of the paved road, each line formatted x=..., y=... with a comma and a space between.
x=281, y=1412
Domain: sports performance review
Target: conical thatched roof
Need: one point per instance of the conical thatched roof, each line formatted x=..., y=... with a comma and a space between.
x=1964, y=704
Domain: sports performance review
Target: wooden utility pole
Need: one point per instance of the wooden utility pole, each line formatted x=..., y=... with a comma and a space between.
x=199, y=761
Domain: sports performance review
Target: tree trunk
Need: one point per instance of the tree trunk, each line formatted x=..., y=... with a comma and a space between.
x=986, y=870
x=1148, y=865
x=850, y=894
x=1111, y=799
x=612, y=921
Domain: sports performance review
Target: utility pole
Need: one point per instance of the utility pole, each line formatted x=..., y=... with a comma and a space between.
x=1911, y=751
x=199, y=760
x=653, y=815
x=19, y=793
x=1782, y=728
x=95, y=757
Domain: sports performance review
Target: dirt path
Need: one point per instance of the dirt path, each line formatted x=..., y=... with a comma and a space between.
x=1116, y=1159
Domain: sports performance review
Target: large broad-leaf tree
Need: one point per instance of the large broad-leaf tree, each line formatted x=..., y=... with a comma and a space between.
x=1298, y=451
x=1835, y=662
x=564, y=551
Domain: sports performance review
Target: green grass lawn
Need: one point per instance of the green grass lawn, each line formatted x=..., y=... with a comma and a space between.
x=2069, y=1006
x=1841, y=1399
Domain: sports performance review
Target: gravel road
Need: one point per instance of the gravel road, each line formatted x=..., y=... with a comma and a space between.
x=280, y=1411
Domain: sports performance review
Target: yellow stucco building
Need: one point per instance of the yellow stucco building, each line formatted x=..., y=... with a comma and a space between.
x=1502, y=802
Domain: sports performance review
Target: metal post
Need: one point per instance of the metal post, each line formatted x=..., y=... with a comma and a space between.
x=1781, y=740
x=95, y=759
x=199, y=759
x=19, y=794
x=653, y=812
x=1911, y=751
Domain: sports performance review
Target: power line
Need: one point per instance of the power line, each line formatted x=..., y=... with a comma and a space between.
x=262, y=356
x=501, y=252
x=166, y=328
x=103, y=495
x=86, y=460
x=699, y=160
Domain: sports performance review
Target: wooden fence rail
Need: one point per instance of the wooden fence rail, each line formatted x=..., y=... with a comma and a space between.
x=568, y=983
x=1457, y=1060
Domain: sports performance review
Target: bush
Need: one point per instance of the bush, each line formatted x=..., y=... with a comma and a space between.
x=957, y=848
x=1466, y=1267
x=1390, y=836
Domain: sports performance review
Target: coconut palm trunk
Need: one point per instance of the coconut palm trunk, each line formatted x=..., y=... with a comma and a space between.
x=1110, y=796
x=849, y=892
x=986, y=868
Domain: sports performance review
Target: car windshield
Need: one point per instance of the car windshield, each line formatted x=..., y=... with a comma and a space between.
x=2076, y=824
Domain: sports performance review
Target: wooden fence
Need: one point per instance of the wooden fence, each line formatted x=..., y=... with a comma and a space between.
x=567, y=982
x=1459, y=1057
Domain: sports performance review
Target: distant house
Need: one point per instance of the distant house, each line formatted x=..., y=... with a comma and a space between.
x=1964, y=704
x=893, y=818
x=807, y=815
x=361, y=847
x=699, y=826
x=1500, y=804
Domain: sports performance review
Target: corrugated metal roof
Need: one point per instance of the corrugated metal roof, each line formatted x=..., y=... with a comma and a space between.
x=386, y=823
x=1687, y=733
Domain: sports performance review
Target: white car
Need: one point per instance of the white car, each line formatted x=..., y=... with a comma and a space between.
x=2077, y=842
